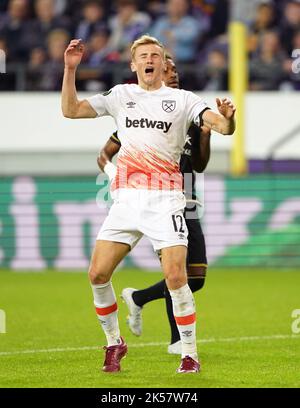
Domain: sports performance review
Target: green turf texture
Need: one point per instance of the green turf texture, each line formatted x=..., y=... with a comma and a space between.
x=55, y=310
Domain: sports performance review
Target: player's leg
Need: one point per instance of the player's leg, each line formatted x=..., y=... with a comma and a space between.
x=140, y=297
x=173, y=264
x=196, y=272
x=118, y=234
x=195, y=282
x=159, y=224
x=116, y=237
x=105, y=258
x=153, y=292
x=135, y=299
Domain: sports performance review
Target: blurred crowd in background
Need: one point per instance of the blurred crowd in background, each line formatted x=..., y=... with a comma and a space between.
x=35, y=33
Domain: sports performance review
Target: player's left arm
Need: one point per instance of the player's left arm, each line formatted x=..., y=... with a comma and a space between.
x=224, y=122
x=201, y=150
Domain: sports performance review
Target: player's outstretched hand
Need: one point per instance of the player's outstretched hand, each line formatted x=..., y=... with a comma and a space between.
x=74, y=53
x=226, y=107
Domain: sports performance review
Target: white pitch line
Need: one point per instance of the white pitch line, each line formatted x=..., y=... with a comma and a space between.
x=154, y=344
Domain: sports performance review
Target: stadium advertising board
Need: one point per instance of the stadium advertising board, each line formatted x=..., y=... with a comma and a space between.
x=53, y=222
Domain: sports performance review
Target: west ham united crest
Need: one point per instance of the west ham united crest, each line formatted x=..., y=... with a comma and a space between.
x=168, y=106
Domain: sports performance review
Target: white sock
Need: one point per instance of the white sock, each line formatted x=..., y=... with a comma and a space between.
x=185, y=316
x=107, y=312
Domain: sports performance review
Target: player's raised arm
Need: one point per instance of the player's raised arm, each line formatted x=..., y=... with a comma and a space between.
x=72, y=108
x=224, y=122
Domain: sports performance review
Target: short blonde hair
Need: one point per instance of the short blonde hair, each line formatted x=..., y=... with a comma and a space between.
x=168, y=56
x=144, y=40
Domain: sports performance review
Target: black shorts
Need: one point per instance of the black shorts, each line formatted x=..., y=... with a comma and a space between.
x=196, y=244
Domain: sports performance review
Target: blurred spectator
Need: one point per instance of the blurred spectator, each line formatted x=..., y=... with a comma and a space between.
x=53, y=69
x=214, y=74
x=155, y=9
x=34, y=33
x=8, y=80
x=266, y=69
x=60, y=6
x=37, y=59
x=250, y=9
x=127, y=25
x=46, y=21
x=264, y=21
x=93, y=20
x=3, y=46
x=202, y=10
x=178, y=31
x=3, y=5
x=99, y=50
x=290, y=25
x=293, y=76
x=97, y=68
x=12, y=25
x=219, y=17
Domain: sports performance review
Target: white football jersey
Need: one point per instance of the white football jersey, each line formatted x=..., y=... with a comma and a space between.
x=152, y=128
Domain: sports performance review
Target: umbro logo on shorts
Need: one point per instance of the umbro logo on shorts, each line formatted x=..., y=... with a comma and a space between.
x=181, y=236
x=168, y=106
x=148, y=123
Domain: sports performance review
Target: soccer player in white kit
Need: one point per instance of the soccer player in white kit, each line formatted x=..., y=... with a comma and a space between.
x=152, y=122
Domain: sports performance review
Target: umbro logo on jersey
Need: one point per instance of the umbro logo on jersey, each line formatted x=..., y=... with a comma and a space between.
x=147, y=123
x=130, y=104
x=168, y=106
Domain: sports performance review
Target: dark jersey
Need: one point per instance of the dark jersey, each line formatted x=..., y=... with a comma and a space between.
x=186, y=167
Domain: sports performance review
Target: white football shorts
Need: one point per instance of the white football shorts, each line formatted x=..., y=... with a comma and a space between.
x=157, y=214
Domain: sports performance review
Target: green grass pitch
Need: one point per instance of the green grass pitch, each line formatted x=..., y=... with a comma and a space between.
x=243, y=327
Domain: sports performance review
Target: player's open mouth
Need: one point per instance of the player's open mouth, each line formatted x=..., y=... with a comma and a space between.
x=149, y=70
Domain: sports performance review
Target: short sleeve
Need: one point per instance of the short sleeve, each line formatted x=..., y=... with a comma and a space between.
x=104, y=104
x=114, y=138
x=195, y=107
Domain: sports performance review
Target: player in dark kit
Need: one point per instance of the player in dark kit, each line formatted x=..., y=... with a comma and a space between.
x=194, y=157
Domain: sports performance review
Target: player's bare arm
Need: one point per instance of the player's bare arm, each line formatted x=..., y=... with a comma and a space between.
x=72, y=108
x=106, y=154
x=224, y=122
x=201, y=152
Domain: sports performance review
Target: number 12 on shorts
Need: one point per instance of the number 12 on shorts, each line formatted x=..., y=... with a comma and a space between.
x=178, y=223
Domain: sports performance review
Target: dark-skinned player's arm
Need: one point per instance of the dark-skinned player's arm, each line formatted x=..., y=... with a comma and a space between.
x=201, y=149
x=110, y=149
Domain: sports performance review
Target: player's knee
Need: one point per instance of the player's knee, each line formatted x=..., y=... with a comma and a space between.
x=176, y=277
x=97, y=277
